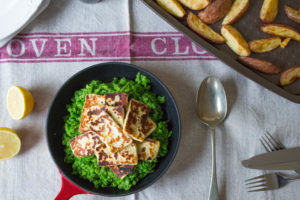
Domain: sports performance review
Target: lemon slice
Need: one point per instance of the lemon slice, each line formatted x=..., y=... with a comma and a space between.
x=19, y=102
x=10, y=143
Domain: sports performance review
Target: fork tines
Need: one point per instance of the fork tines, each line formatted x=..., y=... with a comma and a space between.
x=256, y=184
x=270, y=143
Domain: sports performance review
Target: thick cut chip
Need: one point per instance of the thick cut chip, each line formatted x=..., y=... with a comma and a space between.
x=122, y=170
x=269, y=11
x=116, y=112
x=281, y=30
x=195, y=4
x=173, y=7
x=148, y=149
x=260, y=65
x=84, y=145
x=203, y=30
x=290, y=75
x=237, y=10
x=215, y=11
x=109, y=131
x=285, y=42
x=137, y=124
x=235, y=40
x=127, y=156
x=264, y=45
x=292, y=14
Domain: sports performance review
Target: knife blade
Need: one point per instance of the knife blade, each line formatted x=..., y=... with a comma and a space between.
x=287, y=159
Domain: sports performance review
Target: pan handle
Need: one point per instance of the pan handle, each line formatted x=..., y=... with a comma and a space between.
x=68, y=190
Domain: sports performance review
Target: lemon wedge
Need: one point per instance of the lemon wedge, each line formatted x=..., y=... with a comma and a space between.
x=20, y=102
x=10, y=143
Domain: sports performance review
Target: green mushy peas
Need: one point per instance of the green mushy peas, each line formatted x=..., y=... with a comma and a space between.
x=87, y=167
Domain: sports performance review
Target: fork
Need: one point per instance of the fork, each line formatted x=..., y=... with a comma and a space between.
x=273, y=180
x=269, y=181
x=271, y=144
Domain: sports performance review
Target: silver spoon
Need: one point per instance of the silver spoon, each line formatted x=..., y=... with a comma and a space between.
x=212, y=109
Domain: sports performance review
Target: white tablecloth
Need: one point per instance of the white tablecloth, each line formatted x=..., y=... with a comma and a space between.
x=252, y=109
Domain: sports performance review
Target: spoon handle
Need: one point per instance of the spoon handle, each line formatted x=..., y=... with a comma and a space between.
x=213, y=192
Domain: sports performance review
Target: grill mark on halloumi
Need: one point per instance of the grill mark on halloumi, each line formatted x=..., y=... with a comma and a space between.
x=110, y=101
x=109, y=131
x=116, y=112
x=84, y=145
x=115, y=99
x=149, y=127
x=137, y=123
x=127, y=156
x=148, y=149
x=122, y=170
x=93, y=100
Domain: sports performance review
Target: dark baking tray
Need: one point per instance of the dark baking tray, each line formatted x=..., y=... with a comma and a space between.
x=249, y=26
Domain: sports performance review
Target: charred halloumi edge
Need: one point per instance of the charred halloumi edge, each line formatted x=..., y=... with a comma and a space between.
x=111, y=103
x=109, y=131
x=127, y=156
x=122, y=170
x=116, y=112
x=84, y=145
x=152, y=125
x=117, y=99
x=148, y=149
x=137, y=123
x=114, y=99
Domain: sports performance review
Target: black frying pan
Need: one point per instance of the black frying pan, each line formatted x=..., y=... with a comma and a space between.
x=106, y=72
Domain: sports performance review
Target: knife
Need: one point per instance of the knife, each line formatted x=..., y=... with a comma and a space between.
x=287, y=159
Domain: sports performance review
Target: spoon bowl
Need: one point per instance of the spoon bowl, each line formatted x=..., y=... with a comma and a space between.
x=212, y=110
x=211, y=102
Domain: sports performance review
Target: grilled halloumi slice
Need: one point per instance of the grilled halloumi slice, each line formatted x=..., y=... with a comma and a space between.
x=137, y=123
x=148, y=149
x=84, y=145
x=93, y=100
x=109, y=131
x=113, y=104
x=116, y=112
x=115, y=99
x=122, y=170
x=127, y=156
